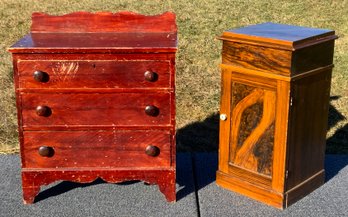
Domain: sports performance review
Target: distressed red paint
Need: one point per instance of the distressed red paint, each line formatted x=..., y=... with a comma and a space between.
x=83, y=89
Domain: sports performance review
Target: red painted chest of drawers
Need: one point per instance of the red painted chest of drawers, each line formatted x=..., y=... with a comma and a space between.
x=96, y=99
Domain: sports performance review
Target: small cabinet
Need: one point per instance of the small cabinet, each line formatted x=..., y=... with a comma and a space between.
x=274, y=107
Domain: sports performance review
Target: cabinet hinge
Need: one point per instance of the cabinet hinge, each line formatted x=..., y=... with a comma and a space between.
x=290, y=101
x=286, y=174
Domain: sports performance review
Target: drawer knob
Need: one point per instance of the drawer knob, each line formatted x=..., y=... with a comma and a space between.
x=46, y=151
x=150, y=76
x=151, y=110
x=44, y=111
x=152, y=150
x=41, y=76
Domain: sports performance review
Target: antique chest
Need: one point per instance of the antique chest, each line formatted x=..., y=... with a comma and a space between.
x=95, y=95
x=274, y=111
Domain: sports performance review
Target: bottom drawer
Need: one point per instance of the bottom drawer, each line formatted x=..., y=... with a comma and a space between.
x=105, y=149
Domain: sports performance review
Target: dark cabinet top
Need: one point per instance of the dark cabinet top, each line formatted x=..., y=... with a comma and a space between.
x=279, y=35
x=99, y=32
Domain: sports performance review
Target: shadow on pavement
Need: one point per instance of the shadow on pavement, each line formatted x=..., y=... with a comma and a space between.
x=338, y=142
x=202, y=136
x=66, y=186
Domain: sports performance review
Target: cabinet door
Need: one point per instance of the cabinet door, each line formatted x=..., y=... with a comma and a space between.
x=247, y=134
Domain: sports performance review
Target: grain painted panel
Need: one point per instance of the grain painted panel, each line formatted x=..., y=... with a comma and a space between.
x=102, y=149
x=68, y=74
x=96, y=109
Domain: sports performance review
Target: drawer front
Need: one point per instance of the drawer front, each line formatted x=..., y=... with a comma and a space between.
x=93, y=74
x=93, y=109
x=96, y=149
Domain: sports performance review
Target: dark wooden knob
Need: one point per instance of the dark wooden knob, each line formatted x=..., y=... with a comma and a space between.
x=46, y=151
x=151, y=110
x=44, y=111
x=41, y=76
x=150, y=76
x=152, y=150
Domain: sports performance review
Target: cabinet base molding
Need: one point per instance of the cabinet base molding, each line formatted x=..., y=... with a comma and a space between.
x=267, y=196
x=306, y=187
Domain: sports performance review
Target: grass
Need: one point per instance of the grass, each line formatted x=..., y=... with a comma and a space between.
x=198, y=76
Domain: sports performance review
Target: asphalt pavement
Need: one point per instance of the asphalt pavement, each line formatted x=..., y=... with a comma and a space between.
x=197, y=194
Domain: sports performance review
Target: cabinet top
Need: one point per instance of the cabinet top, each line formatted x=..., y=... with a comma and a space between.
x=102, y=32
x=279, y=35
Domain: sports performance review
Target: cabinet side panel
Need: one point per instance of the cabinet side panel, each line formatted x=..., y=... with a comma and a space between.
x=15, y=59
x=308, y=126
x=313, y=57
x=171, y=57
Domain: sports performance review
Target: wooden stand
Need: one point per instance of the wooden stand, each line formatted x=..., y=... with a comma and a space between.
x=274, y=111
x=96, y=99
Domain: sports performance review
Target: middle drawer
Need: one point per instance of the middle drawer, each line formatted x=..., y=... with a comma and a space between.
x=96, y=109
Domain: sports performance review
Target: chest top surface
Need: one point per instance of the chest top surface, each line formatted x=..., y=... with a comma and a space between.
x=285, y=36
x=99, y=32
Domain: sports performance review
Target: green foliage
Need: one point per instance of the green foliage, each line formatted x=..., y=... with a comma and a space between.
x=198, y=75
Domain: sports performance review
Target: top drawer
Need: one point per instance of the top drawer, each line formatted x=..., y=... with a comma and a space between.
x=93, y=74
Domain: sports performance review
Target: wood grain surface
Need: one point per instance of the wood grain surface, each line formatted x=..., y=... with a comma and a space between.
x=68, y=74
x=96, y=109
x=252, y=154
x=32, y=180
x=88, y=43
x=255, y=57
x=308, y=121
x=86, y=22
x=101, y=149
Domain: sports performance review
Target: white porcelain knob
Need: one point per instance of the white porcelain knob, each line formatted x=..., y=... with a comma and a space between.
x=223, y=117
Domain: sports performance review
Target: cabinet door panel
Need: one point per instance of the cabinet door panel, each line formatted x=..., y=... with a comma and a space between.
x=252, y=128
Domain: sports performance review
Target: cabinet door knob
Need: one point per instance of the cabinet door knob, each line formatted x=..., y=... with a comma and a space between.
x=151, y=110
x=150, y=76
x=46, y=151
x=44, y=111
x=41, y=76
x=152, y=150
x=223, y=117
